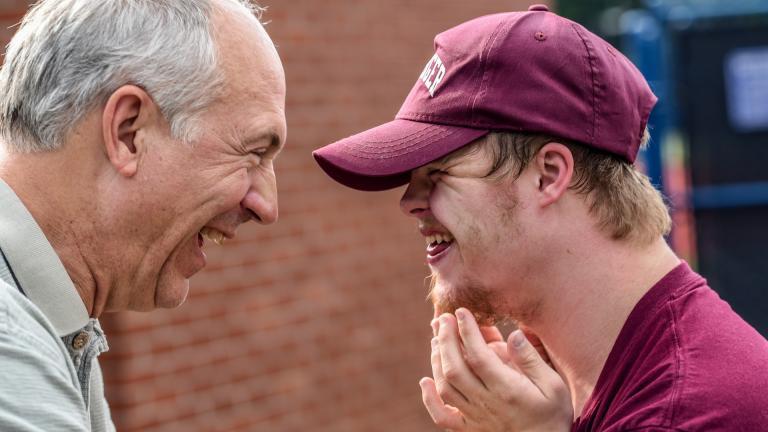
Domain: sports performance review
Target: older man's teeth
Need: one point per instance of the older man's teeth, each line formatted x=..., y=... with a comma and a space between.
x=213, y=235
x=438, y=238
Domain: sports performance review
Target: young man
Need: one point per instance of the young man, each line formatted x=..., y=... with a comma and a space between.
x=132, y=131
x=517, y=144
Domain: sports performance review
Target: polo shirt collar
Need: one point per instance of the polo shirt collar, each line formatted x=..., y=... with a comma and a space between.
x=37, y=268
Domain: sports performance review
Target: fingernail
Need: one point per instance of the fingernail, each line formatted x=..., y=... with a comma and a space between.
x=461, y=314
x=434, y=343
x=518, y=339
x=435, y=326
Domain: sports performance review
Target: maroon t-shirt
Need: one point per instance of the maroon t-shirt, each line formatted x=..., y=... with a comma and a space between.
x=684, y=361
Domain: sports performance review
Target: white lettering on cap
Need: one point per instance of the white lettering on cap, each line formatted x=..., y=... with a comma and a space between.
x=433, y=73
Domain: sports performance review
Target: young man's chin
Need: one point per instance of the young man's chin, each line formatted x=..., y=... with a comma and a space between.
x=447, y=297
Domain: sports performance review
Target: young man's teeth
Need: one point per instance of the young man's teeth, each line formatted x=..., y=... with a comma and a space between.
x=213, y=235
x=438, y=238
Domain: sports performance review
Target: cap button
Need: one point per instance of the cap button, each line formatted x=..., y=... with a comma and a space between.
x=538, y=7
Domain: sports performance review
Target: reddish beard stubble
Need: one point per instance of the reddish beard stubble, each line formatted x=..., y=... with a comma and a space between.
x=476, y=300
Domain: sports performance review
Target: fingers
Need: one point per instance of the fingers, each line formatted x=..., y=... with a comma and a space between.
x=455, y=370
x=480, y=357
x=448, y=392
x=496, y=342
x=444, y=416
x=524, y=355
x=500, y=349
x=537, y=344
x=491, y=334
x=475, y=388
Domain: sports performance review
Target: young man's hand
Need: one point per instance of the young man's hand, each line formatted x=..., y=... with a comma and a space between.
x=478, y=386
x=496, y=342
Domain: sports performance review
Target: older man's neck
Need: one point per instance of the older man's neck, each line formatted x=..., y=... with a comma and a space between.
x=59, y=199
x=592, y=299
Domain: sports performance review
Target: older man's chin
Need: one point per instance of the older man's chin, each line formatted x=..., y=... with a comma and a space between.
x=173, y=296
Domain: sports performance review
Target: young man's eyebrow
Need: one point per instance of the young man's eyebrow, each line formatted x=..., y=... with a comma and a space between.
x=450, y=157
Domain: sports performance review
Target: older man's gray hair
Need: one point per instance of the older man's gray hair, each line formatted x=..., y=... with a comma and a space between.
x=68, y=56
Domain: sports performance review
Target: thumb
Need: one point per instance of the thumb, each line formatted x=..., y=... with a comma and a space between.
x=538, y=345
x=527, y=359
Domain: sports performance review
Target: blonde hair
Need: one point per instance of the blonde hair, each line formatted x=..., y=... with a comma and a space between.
x=623, y=200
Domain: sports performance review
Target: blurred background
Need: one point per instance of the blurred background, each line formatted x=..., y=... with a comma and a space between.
x=319, y=323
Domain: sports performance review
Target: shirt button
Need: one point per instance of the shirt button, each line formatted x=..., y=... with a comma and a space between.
x=80, y=340
x=538, y=8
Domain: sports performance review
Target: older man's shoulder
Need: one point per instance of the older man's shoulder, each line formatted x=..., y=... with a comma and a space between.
x=24, y=324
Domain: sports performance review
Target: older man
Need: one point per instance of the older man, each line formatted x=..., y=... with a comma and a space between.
x=133, y=131
x=517, y=144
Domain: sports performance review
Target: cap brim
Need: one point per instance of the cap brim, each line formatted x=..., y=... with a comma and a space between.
x=383, y=157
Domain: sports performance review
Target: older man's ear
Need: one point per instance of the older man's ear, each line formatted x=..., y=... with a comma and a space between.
x=128, y=113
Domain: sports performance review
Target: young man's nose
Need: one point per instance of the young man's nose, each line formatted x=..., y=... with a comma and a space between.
x=415, y=200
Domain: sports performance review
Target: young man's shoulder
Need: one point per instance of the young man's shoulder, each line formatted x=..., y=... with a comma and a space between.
x=721, y=370
x=685, y=361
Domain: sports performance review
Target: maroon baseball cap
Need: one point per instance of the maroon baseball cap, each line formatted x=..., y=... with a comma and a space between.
x=529, y=71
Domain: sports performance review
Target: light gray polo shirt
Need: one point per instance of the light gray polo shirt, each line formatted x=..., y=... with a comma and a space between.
x=50, y=379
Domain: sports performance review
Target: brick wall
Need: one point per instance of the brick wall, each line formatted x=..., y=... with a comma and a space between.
x=317, y=323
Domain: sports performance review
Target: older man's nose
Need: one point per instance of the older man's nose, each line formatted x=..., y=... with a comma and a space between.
x=261, y=206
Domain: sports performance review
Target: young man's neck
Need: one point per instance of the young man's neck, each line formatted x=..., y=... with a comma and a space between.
x=590, y=298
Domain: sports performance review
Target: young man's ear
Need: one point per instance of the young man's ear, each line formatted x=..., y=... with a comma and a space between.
x=128, y=110
x=554, y=165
